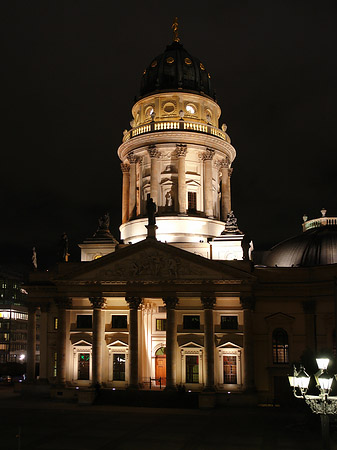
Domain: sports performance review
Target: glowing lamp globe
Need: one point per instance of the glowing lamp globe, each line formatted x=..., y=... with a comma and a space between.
x=322, y=363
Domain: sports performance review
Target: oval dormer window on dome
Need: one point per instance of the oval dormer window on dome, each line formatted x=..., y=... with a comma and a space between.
x=169, y=107
x=191, y=109
x=148, y=111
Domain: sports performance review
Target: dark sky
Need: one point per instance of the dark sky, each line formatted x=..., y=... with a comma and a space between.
x=71, y=74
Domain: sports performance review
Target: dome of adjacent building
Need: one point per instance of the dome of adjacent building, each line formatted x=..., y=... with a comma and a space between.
x=316, y=246
x=176, y=69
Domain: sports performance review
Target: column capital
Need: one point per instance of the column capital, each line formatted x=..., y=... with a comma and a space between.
x=97, y=302
x=230, y=172
x=309, y=306
x=247, y=302
x=63, y=302
x=181, y=150
x=170, y=302
x=208, y=302
x=125, y=167
x=224, y=163
x=208, y=154
x=153, y=152
x=132, y=158
x=134, y=302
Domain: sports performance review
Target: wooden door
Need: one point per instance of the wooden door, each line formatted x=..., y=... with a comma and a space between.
x=161, y=369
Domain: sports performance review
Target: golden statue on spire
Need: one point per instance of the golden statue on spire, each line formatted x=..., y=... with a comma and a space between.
x=175, y=30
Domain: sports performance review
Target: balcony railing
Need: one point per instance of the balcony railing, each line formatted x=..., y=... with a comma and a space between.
x=320, y=222
x=180, y=125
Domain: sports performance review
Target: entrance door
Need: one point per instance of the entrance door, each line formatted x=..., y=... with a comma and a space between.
x=161, y=366
x=83, y=366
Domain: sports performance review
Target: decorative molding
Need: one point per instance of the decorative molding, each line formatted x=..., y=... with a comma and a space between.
x=134, y=302
x=132, y=158
x=98, y=302
x=181, y=150
x=208, y=154
x=170, y=302
x=208, y=302
x=153, y=152
x=125, y=167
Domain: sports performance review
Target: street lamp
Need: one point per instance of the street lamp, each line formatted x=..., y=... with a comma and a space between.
x=322, y=404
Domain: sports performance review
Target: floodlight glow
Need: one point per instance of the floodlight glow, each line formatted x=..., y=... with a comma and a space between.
x=322, y=363
x=22, y=357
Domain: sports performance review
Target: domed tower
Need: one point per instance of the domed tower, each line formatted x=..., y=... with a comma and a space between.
x=176, y=154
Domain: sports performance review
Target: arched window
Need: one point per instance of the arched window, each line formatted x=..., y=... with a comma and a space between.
x=280, y=346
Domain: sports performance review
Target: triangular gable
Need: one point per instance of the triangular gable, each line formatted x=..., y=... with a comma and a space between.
x=117, y=343
x=229, y=345
x=150, y=260
x=190, y=340
x=80, y=342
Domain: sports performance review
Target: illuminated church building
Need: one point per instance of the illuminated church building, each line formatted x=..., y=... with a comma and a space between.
x=180, y=300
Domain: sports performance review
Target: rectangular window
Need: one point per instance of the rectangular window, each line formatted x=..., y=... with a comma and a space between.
x=229, y=370
x=191, y=322
x=83, y=366
x=55, y=365
x=160, y=324
x=192, y=201
x=84, y=321
x=229, y=322
x=119, y=321
x=192, y=369
x=119, y=367
x=56, y=323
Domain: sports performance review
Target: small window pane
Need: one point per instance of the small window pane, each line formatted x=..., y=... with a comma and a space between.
x=84, y=321
x=229, y=367
x=119, y=367
x=280, y=347
x=119, y=321
x=191, y=322
x=192, y=369
x=160, y=324
x=192, y=201
x=229, y=322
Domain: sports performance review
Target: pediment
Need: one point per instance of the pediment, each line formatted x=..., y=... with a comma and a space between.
x=77, y=341
x=279, y=318
x=153, y=260
x=229, y=345
x=117, y=340
x=190, y=341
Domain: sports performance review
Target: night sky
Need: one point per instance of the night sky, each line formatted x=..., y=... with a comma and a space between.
x=71, y=75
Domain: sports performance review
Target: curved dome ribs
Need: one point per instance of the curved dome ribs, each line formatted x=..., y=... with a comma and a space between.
x=176, y=69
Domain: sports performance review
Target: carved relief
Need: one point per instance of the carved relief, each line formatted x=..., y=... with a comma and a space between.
x=181, y=150
x=208, y=155
x=153, y=152
x=98, y=302
x=132, y=158
x=134, y=302
x=125, y=167
x=152, y=265
x=208, y=302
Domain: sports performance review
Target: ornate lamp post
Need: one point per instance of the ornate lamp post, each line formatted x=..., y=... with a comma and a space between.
x=322, y=404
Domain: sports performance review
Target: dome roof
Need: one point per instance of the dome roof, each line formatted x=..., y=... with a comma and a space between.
x=314, y=247
x=176, y=69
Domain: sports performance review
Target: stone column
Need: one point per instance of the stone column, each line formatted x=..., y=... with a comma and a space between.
x=226, y=172
x=133, y=185
x=125, y=194
x=208, y=184
x=63, y=303
x=309, y=308
x=31, y=343
x=155, y=173
x=44, y=341
x=247, y=304
x=171, y=342
x=208, y=305
x=98, y=303
x=134, y=303
x=181, y=154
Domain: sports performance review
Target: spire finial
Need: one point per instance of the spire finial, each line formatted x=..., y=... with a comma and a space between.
x=175, y=30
